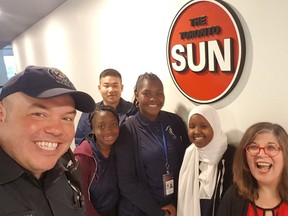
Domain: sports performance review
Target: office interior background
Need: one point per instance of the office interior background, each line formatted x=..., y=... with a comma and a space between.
x=84, y=37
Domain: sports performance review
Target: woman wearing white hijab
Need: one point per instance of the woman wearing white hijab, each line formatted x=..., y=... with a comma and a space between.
x=206, y=171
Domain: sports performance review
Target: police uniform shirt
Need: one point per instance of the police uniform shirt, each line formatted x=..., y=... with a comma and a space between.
x=22, y=194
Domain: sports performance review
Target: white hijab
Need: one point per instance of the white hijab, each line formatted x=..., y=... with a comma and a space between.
x=189, y=193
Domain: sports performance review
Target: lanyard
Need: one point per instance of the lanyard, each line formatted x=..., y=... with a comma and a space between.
x=163, y=144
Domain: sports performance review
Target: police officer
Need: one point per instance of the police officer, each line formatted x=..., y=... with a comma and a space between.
x=37, y=112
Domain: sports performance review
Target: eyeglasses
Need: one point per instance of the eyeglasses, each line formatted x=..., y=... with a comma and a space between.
x=270, y=149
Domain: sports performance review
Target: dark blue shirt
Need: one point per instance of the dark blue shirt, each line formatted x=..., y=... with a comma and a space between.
x=104, y=191
x=141, y=161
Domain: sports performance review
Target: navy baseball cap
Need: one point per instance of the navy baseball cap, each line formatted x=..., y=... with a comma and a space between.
x=45, y=82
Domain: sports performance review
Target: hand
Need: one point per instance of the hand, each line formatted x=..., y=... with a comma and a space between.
x=170, y=210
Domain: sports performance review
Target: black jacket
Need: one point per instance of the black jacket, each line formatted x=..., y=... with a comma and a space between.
x=233, y=204
x=224, y=180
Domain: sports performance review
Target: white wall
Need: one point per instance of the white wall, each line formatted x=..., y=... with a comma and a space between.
x=83, y=37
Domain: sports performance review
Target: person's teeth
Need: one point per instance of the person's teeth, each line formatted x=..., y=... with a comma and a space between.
x=49, y=146
x=262, y=165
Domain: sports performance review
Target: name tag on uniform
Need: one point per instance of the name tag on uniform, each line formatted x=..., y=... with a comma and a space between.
x=168, y=184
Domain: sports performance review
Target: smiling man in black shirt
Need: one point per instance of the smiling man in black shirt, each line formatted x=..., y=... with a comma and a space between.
x=37, y=112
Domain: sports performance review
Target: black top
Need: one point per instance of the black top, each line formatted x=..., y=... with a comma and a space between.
x=125, y=109
x=209, y=207
x=233, y=204
x=22, y=194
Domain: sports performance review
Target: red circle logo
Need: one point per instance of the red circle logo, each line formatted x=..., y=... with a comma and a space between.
x=205, y=50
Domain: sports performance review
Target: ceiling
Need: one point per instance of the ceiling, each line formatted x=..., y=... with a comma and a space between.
x=16, y=16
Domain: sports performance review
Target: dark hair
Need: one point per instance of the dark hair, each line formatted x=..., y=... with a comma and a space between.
x=100, y=108
x=245, y=182
x=139, y=82
x=110, y=72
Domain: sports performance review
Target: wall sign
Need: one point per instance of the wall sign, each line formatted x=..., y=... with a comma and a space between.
x=206, y=50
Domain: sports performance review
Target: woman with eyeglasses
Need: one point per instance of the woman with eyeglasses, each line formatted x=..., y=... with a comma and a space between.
x=260, y=171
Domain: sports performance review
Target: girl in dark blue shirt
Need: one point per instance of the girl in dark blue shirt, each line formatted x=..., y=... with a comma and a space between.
x=149, y=153
x=97, y=163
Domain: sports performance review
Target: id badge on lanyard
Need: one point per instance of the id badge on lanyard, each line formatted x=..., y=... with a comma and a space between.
x=168, y=184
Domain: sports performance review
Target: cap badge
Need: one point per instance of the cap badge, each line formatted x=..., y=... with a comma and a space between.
x=60, y=77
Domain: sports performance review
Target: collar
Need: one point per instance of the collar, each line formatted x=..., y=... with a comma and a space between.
x=119, y=106
x=9, y=169
x=96, y=151
x=146, y=122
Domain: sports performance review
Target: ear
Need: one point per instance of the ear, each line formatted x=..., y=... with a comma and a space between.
x=2, y=112
x=99, y=87
x=136, y=98
x=122, y=86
